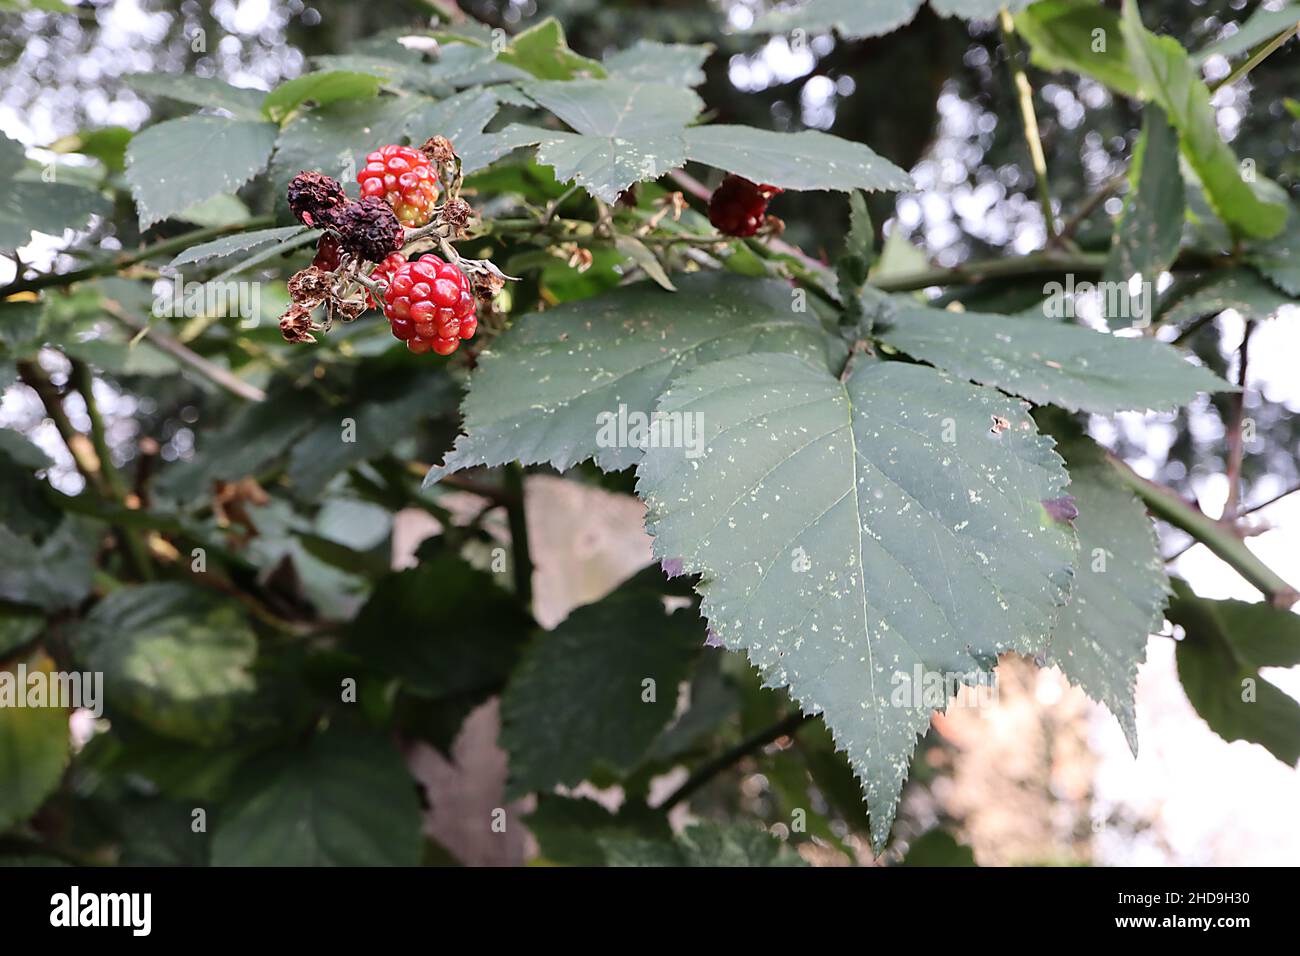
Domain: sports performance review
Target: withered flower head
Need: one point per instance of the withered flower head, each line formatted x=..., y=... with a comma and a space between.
x=439, y=150
x=296, y=325
x=310, y=287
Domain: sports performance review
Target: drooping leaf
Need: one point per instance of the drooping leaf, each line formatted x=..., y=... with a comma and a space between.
x=34, y=743
x=804, y=160
x=1225, y=645
x=383, y=413
x=327, y=86
x=248, y=442
x=539, y=393
x=173, y=165
x=174, y=657
x=577, y=700
x=1050, y=362
x=1119, y=590
x=344, y=799
x=844, y=543
x=1167, y=76
x=242, y=103
x=1151, y=224
x=1078, y=36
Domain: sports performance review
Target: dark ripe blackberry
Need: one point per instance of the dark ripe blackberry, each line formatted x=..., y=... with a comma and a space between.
x=368, y=229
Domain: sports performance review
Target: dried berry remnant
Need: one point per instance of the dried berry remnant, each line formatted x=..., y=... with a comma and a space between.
x=311, y=286
x=430, y=306
x=737, y=207
x=486, y=285
x=456, y=214
x=313, y=197
x=351, y=308
x=296, y=325
x=439, y=151
x=368, y=229
x=404, y=178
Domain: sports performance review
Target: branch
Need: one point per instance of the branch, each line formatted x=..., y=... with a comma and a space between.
x=125, y=260
x=1257, y=56
x=114, y=487
x=79, y=446
x=517, y=518
x=725, y=760
x=183, y=354
x=1236, y=448
x=1223, y=541
x=1025, y=98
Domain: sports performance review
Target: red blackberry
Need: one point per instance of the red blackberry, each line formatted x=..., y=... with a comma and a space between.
x=430, y=305
x=405, y=179
x=328, y=252
x=737, y=206
x=384, y=272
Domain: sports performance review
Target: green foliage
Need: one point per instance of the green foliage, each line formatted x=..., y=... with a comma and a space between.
x=1224, y=645
x=840, y=558
x=1166, y=76
x=176, y=164
x=554, y=710
x=1119, y=591
x=1049, y=362
x=630, y=344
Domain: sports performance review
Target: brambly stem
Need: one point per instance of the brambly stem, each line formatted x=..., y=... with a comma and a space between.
x=1029, y=118
x=1220, y=539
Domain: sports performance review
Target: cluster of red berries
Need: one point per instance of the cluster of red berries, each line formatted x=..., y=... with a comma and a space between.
x=405, y=179
x=429, y=303
x=739, y=207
